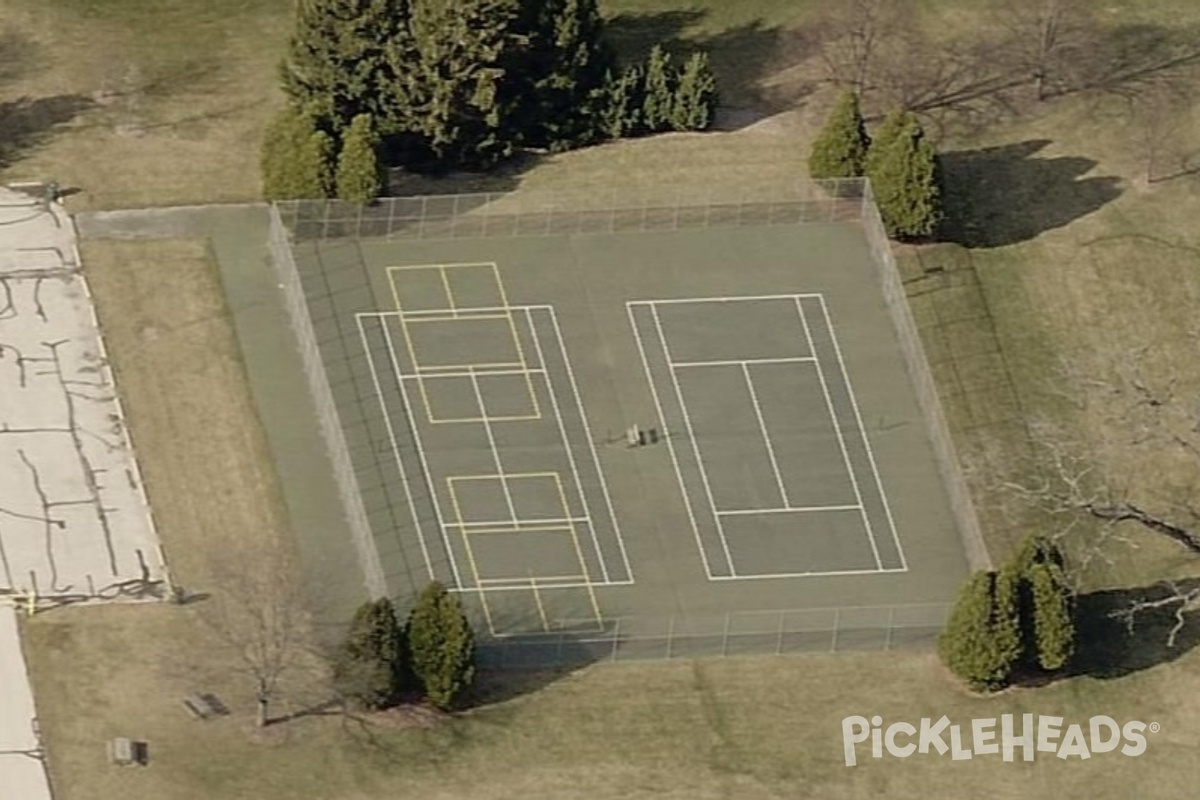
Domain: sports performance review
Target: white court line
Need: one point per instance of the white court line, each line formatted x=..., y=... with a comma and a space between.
x=562, y=432
x=720, y=299
x=837, y=428
x=692, y=435
x=831, y=573
x=862, y=430
x=428, y=476
x=762, y=426
x=387, y=420
x=453, y=313
x=564, y=521
x=525, y=588
x=487, y=429
x=587, y=430
x=740, y=362
x=793, y=509
x=687, y=500
x=483, y=373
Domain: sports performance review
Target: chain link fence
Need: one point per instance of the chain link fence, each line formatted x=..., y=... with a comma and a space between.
x=783, y=632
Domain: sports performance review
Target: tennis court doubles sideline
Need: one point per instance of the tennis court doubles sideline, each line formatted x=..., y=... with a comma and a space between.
x=766, y=437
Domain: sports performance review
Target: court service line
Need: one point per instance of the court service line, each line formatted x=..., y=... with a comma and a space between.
x=837, y=428
x=481, y=373
x=687, y=499
x=458, y=312
x=412, y=421
x=831, y=574
x=740, y=362
x=887, y=509
x=790, y=509
x=687, y=421
x=762, y=426
x=525, y=587
x=587, y=430
x=498, y=524
x=387, y=421
x=676, y=300
x=562, y=432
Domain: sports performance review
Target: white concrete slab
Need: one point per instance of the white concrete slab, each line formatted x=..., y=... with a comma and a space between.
x=73, y=516
x=22, y=761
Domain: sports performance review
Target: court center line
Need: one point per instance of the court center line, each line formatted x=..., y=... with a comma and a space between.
x=387, y=421
x=562, y=432
x=687, y=421
x=838, y=430
x=587, y=431
x=762, y=426
x=687, y=499
x=487, y=429
x=789, y=510
x=412, y=422
x=887, y=509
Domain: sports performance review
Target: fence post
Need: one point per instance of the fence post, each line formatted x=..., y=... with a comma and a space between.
x=779, y=636
x=725, y=638
x=670, y=636
x=837, y=616
x=887, y=642
x=616, y=638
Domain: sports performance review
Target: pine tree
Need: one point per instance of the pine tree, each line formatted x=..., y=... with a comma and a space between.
x=458, y=95
x=619, y=104
x=295, y=158
x=359, y=177
x=336, y=67
x=695, y=101
x=1054, y=625
x=840, y=150
x=369, y=667
x=903, y=171
x=659, y=91
x=978, y=643
x=441, y=645
x=567, y=61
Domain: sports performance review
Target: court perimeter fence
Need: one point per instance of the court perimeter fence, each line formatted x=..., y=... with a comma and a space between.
x=790, y=632
x=616, y=210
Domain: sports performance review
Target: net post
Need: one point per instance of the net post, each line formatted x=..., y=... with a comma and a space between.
x=887, y=642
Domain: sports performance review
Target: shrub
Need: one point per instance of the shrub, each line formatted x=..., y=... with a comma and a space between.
x=903, y=171
x=840, y=150
x=658, y=96
x=295, y=158
x=441, y=645
x=979, y=643
x=359, y=177
x=370, y=666
x=695, y=102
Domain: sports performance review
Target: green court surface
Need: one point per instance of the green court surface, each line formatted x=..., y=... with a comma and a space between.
x=486, y=388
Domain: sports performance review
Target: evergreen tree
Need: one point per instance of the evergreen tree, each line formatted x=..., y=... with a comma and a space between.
x=370, y=665
x=456, y=96
x=336, y=67
x=359, y=177
x=619, y=104
x=903, y=171
x=441, y=645
x=979, y=643
x=1054, y=625
x=695, y=101
x=840, y=150
x=658, y=92
x=295, y=158
x=566, y=66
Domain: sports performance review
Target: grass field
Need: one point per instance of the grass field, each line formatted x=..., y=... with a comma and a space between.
x=140, y=108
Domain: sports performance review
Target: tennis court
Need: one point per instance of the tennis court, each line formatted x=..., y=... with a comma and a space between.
x=707, y=432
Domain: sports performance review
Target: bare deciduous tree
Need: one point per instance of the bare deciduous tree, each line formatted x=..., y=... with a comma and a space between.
x=1158, y=113
x=256, y=614
x=1043, y=36
x=855, y=31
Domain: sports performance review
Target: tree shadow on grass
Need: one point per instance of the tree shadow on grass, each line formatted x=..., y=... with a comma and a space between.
x=998, y=196
x=1107, y=647
x=28, y=122
x=740, y=56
